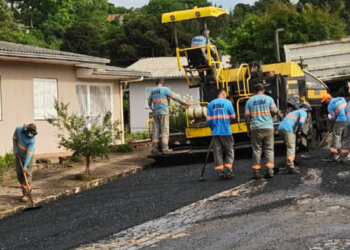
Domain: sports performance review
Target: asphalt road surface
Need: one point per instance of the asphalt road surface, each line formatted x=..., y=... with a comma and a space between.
x=306, y=211
x=95, y=214
x=260, y=219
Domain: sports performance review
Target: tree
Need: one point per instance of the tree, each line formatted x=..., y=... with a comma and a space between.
x=253, y=40
x=82, y=39
x=87, y=138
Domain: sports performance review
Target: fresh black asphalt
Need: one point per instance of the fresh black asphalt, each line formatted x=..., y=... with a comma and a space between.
x=108, y=209
x=95, y=214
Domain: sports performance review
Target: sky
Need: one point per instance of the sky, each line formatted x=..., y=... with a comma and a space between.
x=227, y=4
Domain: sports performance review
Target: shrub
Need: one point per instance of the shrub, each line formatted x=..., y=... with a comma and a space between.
x=6, y=162
x=136, y=136
x=86, y=137
x=124, y=148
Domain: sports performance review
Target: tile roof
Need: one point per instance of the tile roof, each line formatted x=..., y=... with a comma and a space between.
x=28, y=51
x=111, y=70
x=165, y=67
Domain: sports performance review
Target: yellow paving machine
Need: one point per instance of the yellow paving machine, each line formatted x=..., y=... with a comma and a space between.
x=286, y=83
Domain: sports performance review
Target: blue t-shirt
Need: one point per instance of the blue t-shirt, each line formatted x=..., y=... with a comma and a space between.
x=199, y=41
x=336, y=108
x=219, y=113
x=23, y=145
x=259, y=108
x=347, y=112
x=289, y=122
x=159, y=100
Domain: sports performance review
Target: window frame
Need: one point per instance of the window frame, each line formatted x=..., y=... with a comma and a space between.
x=43, y=78
x=95, y=84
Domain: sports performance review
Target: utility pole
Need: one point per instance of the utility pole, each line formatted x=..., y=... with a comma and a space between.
x=277, y=45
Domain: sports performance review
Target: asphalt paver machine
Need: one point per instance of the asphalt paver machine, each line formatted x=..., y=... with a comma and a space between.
x=287, y=83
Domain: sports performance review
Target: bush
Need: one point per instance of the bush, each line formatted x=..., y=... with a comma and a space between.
x=124, y=148
x=136, y=136
x=6, y=162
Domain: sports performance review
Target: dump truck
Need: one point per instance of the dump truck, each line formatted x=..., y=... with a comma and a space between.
x=287, y=83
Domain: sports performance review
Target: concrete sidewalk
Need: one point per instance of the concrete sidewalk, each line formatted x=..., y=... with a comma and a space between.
x=58, y=180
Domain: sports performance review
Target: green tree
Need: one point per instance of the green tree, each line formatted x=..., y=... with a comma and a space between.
x=253, y=40
x=334, y=6
x=82, y=39
x=78, y=134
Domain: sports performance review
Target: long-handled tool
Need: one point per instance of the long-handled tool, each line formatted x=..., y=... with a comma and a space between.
x=323, y=140
x=32, y=207
x=206, y=160
x=327, y=134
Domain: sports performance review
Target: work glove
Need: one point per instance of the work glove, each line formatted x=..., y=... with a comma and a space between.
x=329, y=116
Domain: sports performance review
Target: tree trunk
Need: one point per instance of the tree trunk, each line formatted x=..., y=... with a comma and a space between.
x=87, y=171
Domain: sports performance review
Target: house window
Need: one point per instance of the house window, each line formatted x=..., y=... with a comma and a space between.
x=45, y=95
x=94, y=101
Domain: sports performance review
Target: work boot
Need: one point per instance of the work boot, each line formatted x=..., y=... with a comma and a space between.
x=269, y=173
x=25, y=198
x=343, y=158
x=167, y=151
x=292, y=170
x=228, y=173
x=155, y=149
x=256, y=174
x=220, y=174
x=331, y=157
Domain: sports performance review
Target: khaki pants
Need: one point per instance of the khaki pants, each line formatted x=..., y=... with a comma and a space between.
x=223, y=152
x=20, y=176
x=336, y=137
x=160, y=130
x=289, y=139
x=262, y=140
x=345, y=142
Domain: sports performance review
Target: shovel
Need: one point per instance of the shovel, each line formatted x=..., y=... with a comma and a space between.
x=206, y=161
x=31, y=207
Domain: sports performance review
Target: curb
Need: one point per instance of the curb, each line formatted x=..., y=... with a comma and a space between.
x=74, y=190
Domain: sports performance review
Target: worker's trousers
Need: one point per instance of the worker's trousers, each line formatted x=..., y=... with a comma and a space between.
x=25, y=188
x=223, y=152
x=289, y=139
x=161, y=130
x=345, y=143
x=262, y=141
x=336, y=137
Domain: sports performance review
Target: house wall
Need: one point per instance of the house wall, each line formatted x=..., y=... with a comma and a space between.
x=138, y=104
x=18, y=102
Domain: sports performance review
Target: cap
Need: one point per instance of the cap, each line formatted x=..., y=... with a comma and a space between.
x=159, y=80
x=325, y=97
x=307, y=107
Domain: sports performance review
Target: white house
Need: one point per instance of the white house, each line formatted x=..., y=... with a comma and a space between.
x=164, y=67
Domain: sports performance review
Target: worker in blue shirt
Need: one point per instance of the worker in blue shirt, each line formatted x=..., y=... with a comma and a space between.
x=345, y=143
x=288, y=129
x=23, y=148
x=219, y=114
x=336, y=110
x=258, y=114
x=158, y=101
